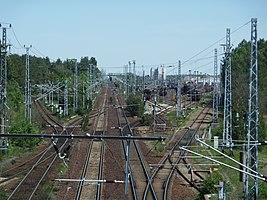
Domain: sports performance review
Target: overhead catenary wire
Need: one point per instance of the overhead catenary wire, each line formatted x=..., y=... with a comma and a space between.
x=216, y=42
x=213, y=44
x=38, y=52
x=16, y=37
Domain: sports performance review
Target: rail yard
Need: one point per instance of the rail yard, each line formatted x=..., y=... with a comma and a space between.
x=96, y=168
x=74, y=126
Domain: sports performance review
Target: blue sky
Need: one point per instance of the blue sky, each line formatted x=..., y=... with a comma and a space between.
x=153, y=33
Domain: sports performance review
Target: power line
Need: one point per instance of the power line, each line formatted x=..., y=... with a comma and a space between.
x=40, y=53
x=17, y=38
x=36, y=52
x=215, y=43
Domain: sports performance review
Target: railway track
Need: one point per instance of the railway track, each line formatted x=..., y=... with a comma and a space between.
x=138, y=174
x=164, y=170
x=36, y=170
x=90, y=183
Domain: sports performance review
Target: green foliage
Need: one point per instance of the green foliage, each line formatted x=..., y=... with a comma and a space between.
x=144, y=120
x=43, y=71
x=159, y=147
x=3, y=194
x=85, y=122
x=217, y=131
x=135, y=104
x=15, y=96
x=262, y=190
x=22, y=127
x=208, y=186
x=240, y=86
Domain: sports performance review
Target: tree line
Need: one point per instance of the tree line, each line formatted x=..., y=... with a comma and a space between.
x=240, y=63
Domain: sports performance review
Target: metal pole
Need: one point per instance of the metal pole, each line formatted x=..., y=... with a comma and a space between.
x=127, y=165
x=227, y=128
x=195, y=74
x=178, y=95
x=215, y=89
x=27, y=109
x=75, y=88
x=190, y=90
x=88, y=86
x=3, y=83
x=251, y=187
x=130, y=77
x=134, y=73
x=66, y=103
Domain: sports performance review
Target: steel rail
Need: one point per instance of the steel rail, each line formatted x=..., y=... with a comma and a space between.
x=100, y=167
x=39, y=161
x=88, y=137
x=140, y=157
x=85, y=165
x=174, y=167
x=88, y=155
x=131, y=178
x=167, y=155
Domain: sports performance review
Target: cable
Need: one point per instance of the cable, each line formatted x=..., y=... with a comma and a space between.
x=175, y=64
x=16, y=37
x=210, y=47
x=38, y=51
x=214, y=43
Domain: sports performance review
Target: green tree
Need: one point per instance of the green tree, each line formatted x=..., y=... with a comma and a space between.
x=135, y=104
x=22, y=127
x=240, y=86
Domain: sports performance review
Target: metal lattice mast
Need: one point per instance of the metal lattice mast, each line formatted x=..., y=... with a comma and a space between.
x=91, y=81
x=195, y=88
x=75, y=88
x=220, y=88
x=134, y=74
x=89, y=84
x=3, y=80
x=215, y=90
x=190, y=90
x=66, y=99
x=251, y=187
x=126, y=81
x=227, y=125
x=83, y=89
x=130, y=78
x=27, y=108
x=178, y=95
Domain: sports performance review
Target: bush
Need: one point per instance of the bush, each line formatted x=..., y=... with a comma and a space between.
x=144, y=120
x=22, y=127
x=208, y=185
x=135, y=105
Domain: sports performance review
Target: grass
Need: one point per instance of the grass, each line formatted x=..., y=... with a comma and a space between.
x=3, y=194
x=62, y=169
x=171, y=116
x=234, y=187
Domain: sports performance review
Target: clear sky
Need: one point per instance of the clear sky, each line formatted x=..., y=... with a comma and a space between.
x=152, y=32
